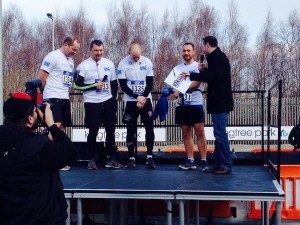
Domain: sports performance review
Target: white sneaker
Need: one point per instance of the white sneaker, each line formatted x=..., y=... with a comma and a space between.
x=66, y=168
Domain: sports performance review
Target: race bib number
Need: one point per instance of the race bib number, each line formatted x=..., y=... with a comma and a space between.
x=67, y=79
x=105, y=88
x=187, y=98
x=138, y=87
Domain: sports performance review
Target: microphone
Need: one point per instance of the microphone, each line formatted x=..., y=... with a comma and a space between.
x=104, y=78
x=201, y=58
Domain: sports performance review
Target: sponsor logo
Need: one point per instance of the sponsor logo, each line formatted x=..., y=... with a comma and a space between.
x=46, y=63
x=178, y=81
x=137, y=82
x=143, y=68
x=106, y=69
x=119, y=71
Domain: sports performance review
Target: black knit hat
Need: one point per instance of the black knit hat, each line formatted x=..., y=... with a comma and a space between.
x=17, y=106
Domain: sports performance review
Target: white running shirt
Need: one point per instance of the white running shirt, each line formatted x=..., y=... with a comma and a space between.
x=194, y=98
x=135, y=73
x=60, y=69
x=93, y=72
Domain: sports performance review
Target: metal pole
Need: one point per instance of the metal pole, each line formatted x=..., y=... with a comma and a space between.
x=135, y=212
x=279, y=130
x=197, y=212
x=181, y=212
x=266, y=212
x=53, y=48
x=278, y=213
x=122, y=212
x=79, y=211
x=169, y=212
x=188, y=212
x=263, y=127
x=262, y=212
x=111, y=212
x=68, y=221
x=1, y=68
x=50, y=16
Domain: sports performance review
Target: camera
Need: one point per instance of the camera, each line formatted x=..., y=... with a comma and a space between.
x=32, y=87
x=41, y=105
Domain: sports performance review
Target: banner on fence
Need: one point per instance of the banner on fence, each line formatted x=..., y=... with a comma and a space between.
x=80, y=135
x=251, y=133
x=234, y=134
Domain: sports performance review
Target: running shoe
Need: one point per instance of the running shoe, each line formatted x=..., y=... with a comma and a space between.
x=205, y=167
x=189, y=165
x=150, y=163
x=112, y=163
x=131, y=163
x=92, y=165
x=66, y=168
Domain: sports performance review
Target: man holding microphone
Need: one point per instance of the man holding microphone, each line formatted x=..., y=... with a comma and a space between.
x=217, y=74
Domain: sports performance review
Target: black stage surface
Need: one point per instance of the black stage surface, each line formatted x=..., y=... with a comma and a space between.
x=167, y=182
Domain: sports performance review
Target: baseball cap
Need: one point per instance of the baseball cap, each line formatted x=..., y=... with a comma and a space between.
x=17, y=106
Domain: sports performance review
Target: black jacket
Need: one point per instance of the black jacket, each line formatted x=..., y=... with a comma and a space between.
x=31, y=191
x=294, y=136
x=218, y=78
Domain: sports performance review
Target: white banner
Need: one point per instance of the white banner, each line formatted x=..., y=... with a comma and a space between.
x=250, y=133
x=234, y=134
x=80, y=135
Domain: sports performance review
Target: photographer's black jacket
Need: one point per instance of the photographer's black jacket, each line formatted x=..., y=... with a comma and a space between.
x=31, y=191
x=218, y=78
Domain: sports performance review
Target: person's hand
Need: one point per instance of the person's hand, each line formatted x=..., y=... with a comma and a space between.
x=47, y=117
x=176, y=93
x=139, y=105
x=141, y=99
x=202, y=66
x=185, y=74
x=100, y=85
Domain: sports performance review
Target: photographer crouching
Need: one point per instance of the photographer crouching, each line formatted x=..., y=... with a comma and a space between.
x=31, y=191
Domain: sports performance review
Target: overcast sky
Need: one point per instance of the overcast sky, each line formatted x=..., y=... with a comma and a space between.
x=252, y=13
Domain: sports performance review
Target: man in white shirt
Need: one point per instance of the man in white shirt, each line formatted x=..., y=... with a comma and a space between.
x=189, y=113
x=96, y=77
x=56, y=74
x=135, y=75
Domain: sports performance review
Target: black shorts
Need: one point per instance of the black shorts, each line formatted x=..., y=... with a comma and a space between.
x=132, y=111
x=189, y=115
x=61, y=110
x=97, y=114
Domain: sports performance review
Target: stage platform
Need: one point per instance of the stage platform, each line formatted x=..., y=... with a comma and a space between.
x=245, y=183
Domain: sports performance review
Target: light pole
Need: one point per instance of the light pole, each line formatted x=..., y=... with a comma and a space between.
x=50, y=16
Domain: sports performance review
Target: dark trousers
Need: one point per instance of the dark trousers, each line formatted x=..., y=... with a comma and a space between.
x=97, y=114
x=132, y=112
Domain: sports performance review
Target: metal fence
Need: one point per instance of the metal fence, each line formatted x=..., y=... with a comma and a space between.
x=247, y=112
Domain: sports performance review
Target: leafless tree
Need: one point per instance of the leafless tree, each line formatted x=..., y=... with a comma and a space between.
x=234, y=40
x=289, y=37
x=275, y=56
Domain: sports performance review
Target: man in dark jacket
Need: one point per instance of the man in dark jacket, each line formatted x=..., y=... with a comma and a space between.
x=217, y=75
x=31, y=191
x=294, y=136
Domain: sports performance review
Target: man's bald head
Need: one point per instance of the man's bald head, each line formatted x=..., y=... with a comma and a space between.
x=135, y=51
